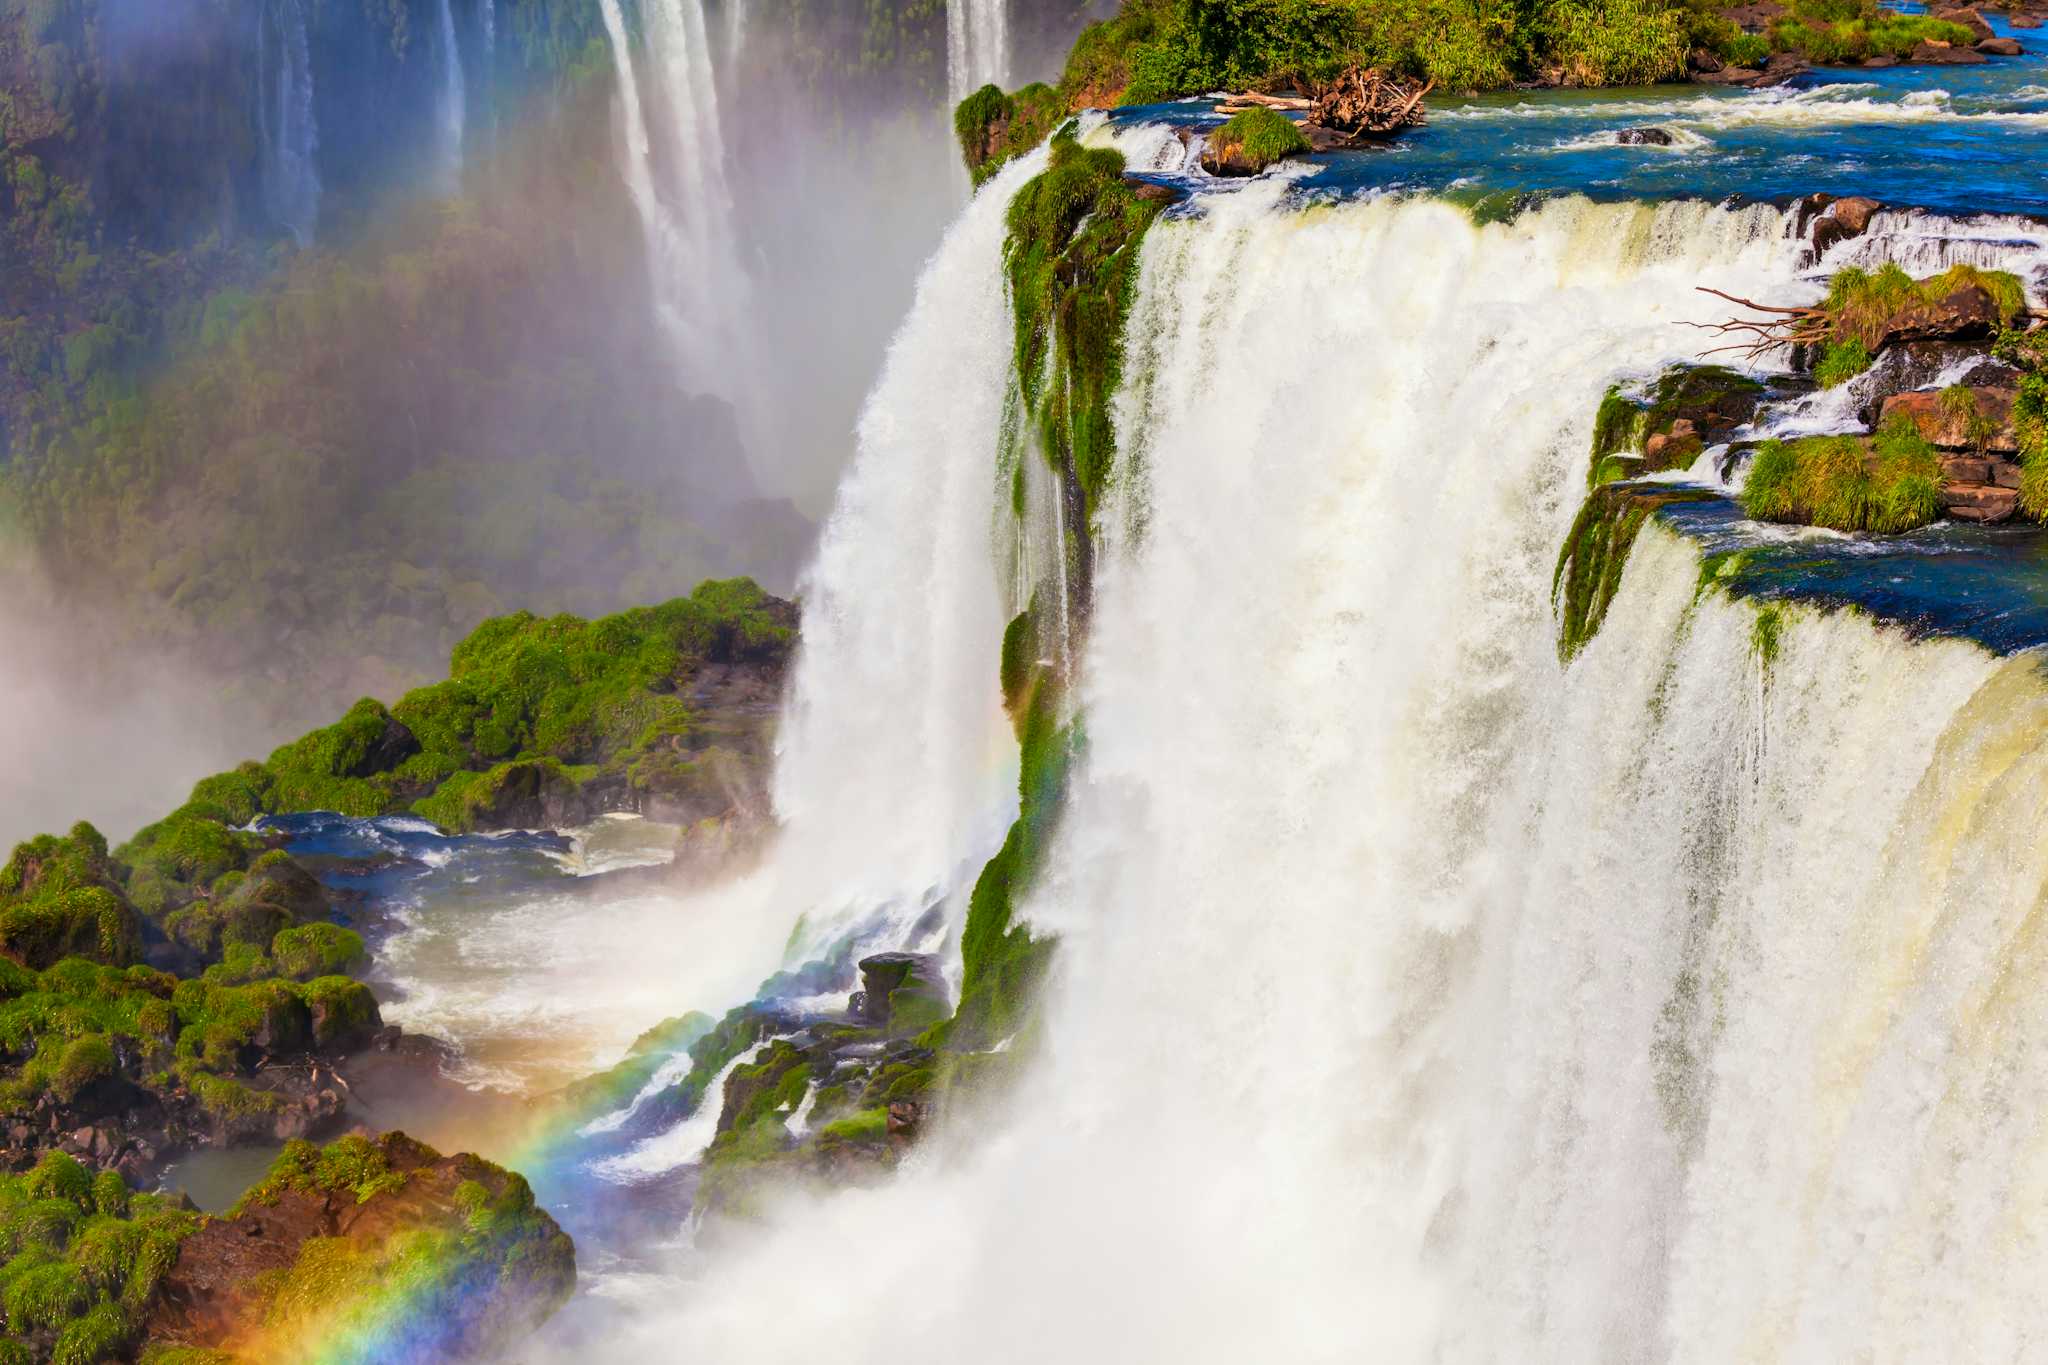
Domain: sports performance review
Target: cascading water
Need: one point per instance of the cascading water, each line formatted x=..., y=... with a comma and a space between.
x=286, y=123
x=1420, y=998
x=977, y=45
x=451, y=108
x=673, y=162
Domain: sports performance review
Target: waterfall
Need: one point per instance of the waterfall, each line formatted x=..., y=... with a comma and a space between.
x=977, y=45
x=451, y=105
x=673, y=161
x=1420, y=998
x=286, y=125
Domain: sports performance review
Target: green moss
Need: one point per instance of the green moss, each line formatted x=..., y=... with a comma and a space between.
x=869, y=1125
x=46, y=1297
x=310, y=950
x=1072, y=262
x=1617, y=430
x=62, y=897
x=1258, y=137
x=1764, y=635
x=1595, y=552
x=992, y=127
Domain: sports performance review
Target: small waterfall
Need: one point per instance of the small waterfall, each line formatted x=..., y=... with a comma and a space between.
x=977, y=45
x=286, y=124
x=452, y=104
x=673, y=162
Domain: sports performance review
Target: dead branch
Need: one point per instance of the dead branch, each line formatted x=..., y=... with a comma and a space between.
x=1780, y=327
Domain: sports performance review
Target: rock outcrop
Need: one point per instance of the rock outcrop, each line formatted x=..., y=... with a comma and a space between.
x=446, y=1256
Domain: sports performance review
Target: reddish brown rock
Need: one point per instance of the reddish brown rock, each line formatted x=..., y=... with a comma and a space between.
x=1969, y=17
x=493, y=1291
x=1974, y=502
x=1842, y=220
x=1983, y=423
x=2000, y=47
x=1933, y=53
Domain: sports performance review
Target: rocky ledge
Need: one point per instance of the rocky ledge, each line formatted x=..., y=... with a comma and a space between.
x=442, y=1257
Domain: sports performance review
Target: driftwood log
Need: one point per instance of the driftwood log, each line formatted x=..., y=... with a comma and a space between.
x=1364, y=104
x=1358, y=107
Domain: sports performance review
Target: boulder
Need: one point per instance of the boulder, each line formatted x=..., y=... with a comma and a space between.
x=1880, y=61
x=1983, y=423
x=1968, y=17
x=1935, y=53
x=1841, y=220
x=2025, y=21
x=1972, y=502
x=1702, y=60
x=2000, y=47
x=902, y=992
x=311, y=1241
x=1967, y=313
x=1644, y=137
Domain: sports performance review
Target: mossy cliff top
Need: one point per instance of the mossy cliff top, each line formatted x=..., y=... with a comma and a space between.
x=533, y=707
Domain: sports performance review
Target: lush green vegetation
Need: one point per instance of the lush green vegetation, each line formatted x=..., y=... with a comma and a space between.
x=1888, y=484
x=1257, y=138
x=85, y=1258
x=993, y=127
x=1834, y=32
x=2029, y=351
x=1862, y=306
x=560, y=700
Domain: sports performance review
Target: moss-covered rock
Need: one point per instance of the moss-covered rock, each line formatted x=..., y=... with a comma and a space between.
x=1250, y=141
x=993, y=127
x=448, y=1254
x=1596, y=551
x=63, y=897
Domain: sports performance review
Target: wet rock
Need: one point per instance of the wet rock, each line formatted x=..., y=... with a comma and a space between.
x=2000, y=47
x=1155, y=192
x=1960, y=418
x=1880, y=61
x=1841, y=220
x=1701, y=60
x=1644, y=137
x=903, y=1119
x=903, y=992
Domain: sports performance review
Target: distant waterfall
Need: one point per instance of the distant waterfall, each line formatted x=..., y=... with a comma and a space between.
x=452, y=106
x=977, y=45
x=286, y=125
x=673, y=162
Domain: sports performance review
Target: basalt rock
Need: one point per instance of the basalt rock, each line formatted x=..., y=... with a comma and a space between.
x=902, y=992
x=1644, y=137
x=2000, y=47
